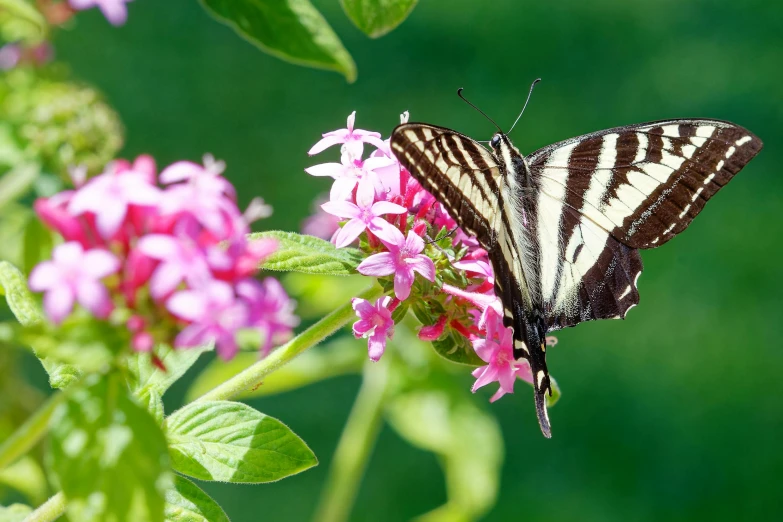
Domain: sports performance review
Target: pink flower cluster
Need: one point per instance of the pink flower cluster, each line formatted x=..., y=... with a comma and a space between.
x=380, y=204
x=169, y=253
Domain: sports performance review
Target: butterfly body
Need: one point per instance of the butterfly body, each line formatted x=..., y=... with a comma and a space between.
x=563, y=225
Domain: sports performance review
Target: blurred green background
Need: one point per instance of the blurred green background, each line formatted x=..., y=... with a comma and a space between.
x=673, y=414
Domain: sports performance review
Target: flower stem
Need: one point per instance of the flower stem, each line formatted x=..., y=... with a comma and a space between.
x=50, y=510
x=253, y=375
x=31, y=431
x=355, y=445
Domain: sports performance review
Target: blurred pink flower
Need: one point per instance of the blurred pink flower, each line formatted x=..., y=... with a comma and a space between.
x=364, y=214
x=320, y=223
x=74, y=274
x=375, y=323
x=115, y=11
x=109, y=196
x=201, y=192
x=215, y=315
x=403, y=259
x=352, y=138
x=180, y=259
x=271, y=310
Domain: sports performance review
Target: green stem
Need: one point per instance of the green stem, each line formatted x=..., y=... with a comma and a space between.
x=50, y=510
x=253, y=376
x=31, y=431
x=356, y=443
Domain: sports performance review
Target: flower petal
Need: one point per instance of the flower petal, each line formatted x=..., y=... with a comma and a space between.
x=403, y=281
x=44, y=276
x=93, y=296
x=380, y=208
x=376, y=345
x=58, y=303
x=334, y=170
x=325, y=143
x=377, y=265
x=348, y=234
x=343, y=209
x=99, y=263
x=423, y=265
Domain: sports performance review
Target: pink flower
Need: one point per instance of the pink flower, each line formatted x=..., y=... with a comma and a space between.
x=180, y=260
x=109, y=196
x=115, y=11
x=364, y=214
x=353, y=172
x=74, y=275
x=498, y=352
x=352, y=138
x=215, y=315
x=402, y=260
x=271, y=310
x=375, y=323
x=433, y=332
x=202, y=193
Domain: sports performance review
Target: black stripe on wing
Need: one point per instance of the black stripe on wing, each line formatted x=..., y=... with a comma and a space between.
x=656, y=176
x=457, y=170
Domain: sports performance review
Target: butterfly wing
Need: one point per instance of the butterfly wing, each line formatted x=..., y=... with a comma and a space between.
x=457, y=170
x=605, y=194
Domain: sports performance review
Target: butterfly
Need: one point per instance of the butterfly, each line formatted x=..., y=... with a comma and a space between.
x=563, y=226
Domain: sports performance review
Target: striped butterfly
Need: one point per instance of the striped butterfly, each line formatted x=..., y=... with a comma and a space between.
x=563, y=226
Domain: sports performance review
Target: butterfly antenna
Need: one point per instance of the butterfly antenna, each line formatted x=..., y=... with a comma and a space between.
x=459, y=93
x=525, y=106
x=444, y=236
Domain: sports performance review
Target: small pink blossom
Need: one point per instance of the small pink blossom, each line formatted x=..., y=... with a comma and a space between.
x=202, y=193
x=352, y=172
x=403, y=259
x=74, y=274
x=375, y=323
x=496, y=350
x=352, y=138
x=180, y=259
x=109, y=197
x=115, y=11
x=434, y=331
x=215, y=315
x=364, y=214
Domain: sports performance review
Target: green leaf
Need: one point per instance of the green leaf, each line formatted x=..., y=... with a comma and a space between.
x=108, y=454
x=26, y=476
x=456, y=348
x=467, y=440
x=292, y=30
x=186, y=502
x=148, y=378
x=339, y=357
x=14, y=285
x=232, y=442
x=309, y=255
x=14, y=513
x=377, y=17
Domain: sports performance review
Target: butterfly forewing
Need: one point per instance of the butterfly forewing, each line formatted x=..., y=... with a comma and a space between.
x=644, y=183
x=459, y=172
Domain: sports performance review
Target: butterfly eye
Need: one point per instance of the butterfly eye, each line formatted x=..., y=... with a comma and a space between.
x=495, y=141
